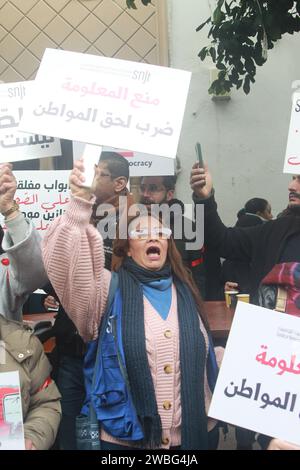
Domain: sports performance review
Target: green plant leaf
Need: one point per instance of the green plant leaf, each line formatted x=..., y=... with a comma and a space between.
x=239, y=29
x=202, y=25
x=218, y=16
x=131, y=4
x=246, y=86
x=249, y=65
x=203, y=53
x=212, y=53
x=220, y=66
x=239, y=84
x=227, y=8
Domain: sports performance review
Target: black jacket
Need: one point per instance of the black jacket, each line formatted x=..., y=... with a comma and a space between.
x=261, y=245
x=236, y=270
x=67, y=339
x=193, y=259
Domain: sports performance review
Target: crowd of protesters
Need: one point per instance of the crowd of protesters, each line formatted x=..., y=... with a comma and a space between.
x=129, y=279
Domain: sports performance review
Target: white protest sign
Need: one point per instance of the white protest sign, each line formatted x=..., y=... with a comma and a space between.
x=15, y=145
x=292, y=156
x=11, y=417
x=258, y=383
x=105, y=101
x=140, y=164
x=42, y=195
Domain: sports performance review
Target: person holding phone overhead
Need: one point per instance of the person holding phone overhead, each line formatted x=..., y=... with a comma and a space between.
x=212, y=262
x=273, y=244
x=199, y=155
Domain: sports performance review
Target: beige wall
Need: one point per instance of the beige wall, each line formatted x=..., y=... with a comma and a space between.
x=103, y=27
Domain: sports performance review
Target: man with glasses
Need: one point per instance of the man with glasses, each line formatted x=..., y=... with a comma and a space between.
x=160, y=190
x=111, y=178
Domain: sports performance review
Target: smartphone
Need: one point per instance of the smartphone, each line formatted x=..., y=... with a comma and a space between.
x=199, y=155
x=91, y=157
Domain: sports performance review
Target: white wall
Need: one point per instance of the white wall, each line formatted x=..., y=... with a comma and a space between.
x=243, y=140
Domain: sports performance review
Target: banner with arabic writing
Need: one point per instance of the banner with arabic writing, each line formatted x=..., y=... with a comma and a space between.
x=16, y=145
x=42, y=195
x=104, y=101
x=292, y=156
x=258, y=383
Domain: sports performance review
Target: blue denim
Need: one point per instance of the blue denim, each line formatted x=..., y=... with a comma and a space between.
x=70, y=383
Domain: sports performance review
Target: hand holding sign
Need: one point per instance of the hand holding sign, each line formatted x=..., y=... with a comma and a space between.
x=8, y=186
x=77, y=181
x=90, y=157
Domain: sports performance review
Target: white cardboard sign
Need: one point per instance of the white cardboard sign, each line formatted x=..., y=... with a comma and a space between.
x=15, y=145
x=258, y=386
x=140, y=164
x=42, y=196
x=292, y=156
x=11, y=422
x=106, y=101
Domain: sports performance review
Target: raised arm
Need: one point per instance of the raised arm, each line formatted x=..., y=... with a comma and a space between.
x=232, y=243
x=23, y=271
x=74, y=260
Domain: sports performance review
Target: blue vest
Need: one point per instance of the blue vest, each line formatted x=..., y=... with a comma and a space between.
x=111, y=396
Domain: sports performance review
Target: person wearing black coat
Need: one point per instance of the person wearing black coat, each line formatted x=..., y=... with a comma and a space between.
x=256, y=211
x=263, y=246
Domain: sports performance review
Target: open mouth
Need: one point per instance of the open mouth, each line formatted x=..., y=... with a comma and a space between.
x=153, y=252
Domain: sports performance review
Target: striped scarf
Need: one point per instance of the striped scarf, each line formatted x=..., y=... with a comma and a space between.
x=192, y=358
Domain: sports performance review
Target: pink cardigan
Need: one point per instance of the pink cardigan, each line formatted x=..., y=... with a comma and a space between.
x=74, y=260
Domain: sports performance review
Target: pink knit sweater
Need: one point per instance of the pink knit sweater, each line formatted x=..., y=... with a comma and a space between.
x=74, y=260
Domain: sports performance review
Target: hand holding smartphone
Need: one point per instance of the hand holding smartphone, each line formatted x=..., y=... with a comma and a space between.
x=199, y=155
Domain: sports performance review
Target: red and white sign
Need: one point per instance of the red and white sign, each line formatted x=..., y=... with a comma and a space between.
x=258, y=383
x=104, y=101
x=292, y=156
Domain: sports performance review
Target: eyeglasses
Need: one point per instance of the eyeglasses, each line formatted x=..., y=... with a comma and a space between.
x=144, y=233
x=104, y=174
x=151, y=188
